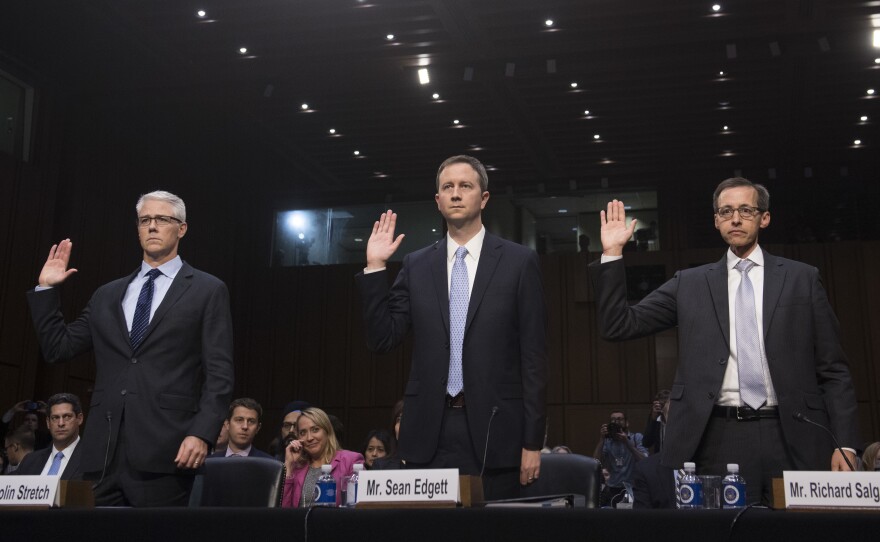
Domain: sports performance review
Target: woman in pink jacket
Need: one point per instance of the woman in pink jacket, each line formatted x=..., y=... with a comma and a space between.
x=316, y=445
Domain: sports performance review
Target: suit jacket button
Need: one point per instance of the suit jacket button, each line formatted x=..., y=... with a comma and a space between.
x=134, y=360
x=123, y=392
x=711, y=395
x=722, y=361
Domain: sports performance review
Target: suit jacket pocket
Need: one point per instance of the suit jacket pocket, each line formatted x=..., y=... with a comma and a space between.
x=178, y=402
x=677, y=392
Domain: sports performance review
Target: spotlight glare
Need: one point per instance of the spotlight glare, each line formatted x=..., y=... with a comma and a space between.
x=456, y=121
x=857, y=142
x=548, y=22
x=435, y=96
x=242, y=50
x=574, y=85
x=424, y=78
x=587, y=112
x=864, y=118
x=357, y=153
x=304, y=107
x=716, y=7
x=596, y=136
x=870, y=92
x=201, y=13
x=332, y=131
x=389, y=37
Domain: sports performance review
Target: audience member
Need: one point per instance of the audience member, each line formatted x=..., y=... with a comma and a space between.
x=222, y=438
x=314, y=446
x=871, y=457
x=619, y=451
x=289, y=416
x=63, y=417
x=338, y=428
x=655, y=429
x=243, y=421
x=561, y=449
x=654, y=483
x=18, y=444
x=30, y=417
x=376, y=446
x=392, y=461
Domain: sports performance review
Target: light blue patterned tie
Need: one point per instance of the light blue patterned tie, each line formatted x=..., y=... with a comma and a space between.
x=458, y=306
x=142, y=311
x=748, y=345
x=56, y=464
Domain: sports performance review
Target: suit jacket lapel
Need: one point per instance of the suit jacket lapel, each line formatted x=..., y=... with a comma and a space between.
x=440, y=281
x=490, y=255
x=717, y=278
x=774, y=278
x=120, y=314
x=179, y=286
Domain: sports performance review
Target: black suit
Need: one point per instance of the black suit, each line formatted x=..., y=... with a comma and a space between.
x=504, y=359
x=177, y=384
x=807, y=365
x=653, y=484
x=34, y=462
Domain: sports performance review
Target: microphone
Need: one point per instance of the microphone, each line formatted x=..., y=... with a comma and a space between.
x=486, y=447
x=801, y=418
x=109, y=417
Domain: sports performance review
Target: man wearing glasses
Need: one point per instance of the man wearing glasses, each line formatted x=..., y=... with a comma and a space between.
x=758, y=346
x=162, y=339
x=64, y=418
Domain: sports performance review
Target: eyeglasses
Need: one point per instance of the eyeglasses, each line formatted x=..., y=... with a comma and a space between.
x=161, y=221
x=745, y=212
x=287, y=426
x=67, y=416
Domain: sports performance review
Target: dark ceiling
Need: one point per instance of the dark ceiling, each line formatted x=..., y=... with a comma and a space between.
x=796, y=74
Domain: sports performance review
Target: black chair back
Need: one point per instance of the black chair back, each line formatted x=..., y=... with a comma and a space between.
x=563, y=474
x=238, y=481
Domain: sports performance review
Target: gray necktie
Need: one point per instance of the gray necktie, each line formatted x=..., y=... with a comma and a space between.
x=458, y=306
x=748, y=345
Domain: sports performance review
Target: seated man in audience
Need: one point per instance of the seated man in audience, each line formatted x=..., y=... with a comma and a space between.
x=18, y=444
x=30, y=419
x=64, y=417
x=289, y=415
x=243, y=422
x=619, y=450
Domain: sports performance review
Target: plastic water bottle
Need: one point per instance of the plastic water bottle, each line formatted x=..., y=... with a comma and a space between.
x=733, y=488
x=351, y=485
x=325, y=488
x=690, y=491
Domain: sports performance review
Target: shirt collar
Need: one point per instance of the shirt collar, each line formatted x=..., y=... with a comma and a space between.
x=67, y=451
x=757, y=256
x=245, y=452
x=474, y=246
x=169, y=268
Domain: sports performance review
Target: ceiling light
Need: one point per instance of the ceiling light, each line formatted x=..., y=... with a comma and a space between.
x=424, y=78
x=357, y=153
x=389, y=37
x=587, y=112
x=857, y=142
x=596, y=136
x=870, y=92
x=563, y=210
x=877, y=60
x=548, y=22
x=725, y=128
x=435, y=96
x=332, y=131
x=242, y=50
x=301, y=236
x=201, y=13
x=721, y=73
x=864, y=118
x=456, y=121
x=304, y=107
x=877, y=38
x=716, y=7
x=574, y=85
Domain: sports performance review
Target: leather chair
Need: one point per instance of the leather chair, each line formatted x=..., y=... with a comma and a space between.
x=563, y=474
x=238, y=481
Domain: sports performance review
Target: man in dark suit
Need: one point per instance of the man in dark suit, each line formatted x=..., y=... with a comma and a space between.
x=64, y=457
x=162, y=339
x=243, y=421
x=758, y=344
x=476, y=391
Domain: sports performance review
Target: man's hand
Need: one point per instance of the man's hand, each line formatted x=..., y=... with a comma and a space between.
x=192, y=453
x=55, y=269
x=837, y=461
x=382, y=244
x=603, y=431
x=530, y=466
x=614, y=232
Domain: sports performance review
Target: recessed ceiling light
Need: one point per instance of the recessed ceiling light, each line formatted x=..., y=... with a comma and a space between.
x=456, y=121
x=870, y=92
x=596, y=136
x=389, y=37
x=716, y=7
x=877, y=60
x=574, y=85
x=864, y=118
x=242, y=50
x=725, y=128
x=563, y=210
x=435, y=96
x=857, y=142
x=201, y=13
x=304, y=107
x=548, y=22
x=424, y=78
x=721, y=73
x=586, y=112
x=332, y=131
x=876, y=35
x=357, y=153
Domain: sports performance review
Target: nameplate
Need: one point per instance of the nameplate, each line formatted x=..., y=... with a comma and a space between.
x=39, y=491
x=828, y=489
x=439, y=486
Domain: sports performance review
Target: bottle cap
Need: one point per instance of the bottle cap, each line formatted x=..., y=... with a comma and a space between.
x=690, y=465
x=326, y=469
x=358, y=467
x=732, y=467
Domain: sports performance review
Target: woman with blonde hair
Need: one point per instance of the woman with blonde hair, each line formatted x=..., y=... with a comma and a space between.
x=315, y=445
x=871, y=457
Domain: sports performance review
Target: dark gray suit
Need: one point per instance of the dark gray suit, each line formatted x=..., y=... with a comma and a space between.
x=34, y=462
x=178, y=383
x=504, y=357
x=807, y=365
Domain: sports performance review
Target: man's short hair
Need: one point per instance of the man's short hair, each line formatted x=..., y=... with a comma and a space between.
x=22, y=436
x=619, y=412
x=60, y=398
x=733, y=182
x=248, y=403
x=471, y=161
x=167, y=197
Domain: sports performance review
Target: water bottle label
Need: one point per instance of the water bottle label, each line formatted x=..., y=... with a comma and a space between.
x=691, y=494
x=325, y=494
x=734, y=495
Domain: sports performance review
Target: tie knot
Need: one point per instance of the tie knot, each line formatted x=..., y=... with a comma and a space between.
x=153, y=273
x=460, y=253
x=744, y=266
x=59, y=455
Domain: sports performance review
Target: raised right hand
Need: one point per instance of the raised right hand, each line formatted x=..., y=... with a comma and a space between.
x=615, y=233
x=382, y=244
x=55, y=269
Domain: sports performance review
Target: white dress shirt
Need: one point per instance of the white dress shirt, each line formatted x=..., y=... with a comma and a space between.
x=68, y=452
x=161, y=284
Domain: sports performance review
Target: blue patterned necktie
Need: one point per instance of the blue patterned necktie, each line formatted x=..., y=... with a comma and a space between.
x=458, y=306
x=56, y=464
x=142, y=312
x=748, y=345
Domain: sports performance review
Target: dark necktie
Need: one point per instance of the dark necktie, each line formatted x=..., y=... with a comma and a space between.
x=141, y=319
x=748, y=345
x=458, y=307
